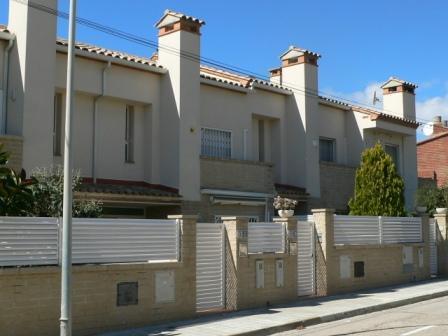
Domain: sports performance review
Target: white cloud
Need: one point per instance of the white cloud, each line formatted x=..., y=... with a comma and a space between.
x=434, y=106
x=363, y=97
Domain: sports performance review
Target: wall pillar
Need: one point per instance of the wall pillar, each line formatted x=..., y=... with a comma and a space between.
x=187, y=260
x=426, y=248
x=325, y=266
x=442, y=244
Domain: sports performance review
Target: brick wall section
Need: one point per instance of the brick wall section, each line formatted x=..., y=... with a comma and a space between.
x=13, y=145
x=383, y=264
x=241, y=275
x=30, y=297
x=237, y=175
x=337, y=183
x=432, y=159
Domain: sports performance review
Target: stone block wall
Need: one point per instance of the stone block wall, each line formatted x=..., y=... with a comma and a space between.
x=13, y=144
x=30, y=297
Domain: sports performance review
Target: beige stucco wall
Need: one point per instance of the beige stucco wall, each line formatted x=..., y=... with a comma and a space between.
x=3, y=45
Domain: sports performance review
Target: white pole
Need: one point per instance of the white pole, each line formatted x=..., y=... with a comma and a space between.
x=66, y=277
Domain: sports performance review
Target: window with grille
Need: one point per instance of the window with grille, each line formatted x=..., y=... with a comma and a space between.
x=129, y=135
x=216, y=143
x=327, y=149
x=392, y=150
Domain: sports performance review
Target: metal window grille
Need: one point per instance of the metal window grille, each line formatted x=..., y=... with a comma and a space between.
x=216, y=143
x=266, y=237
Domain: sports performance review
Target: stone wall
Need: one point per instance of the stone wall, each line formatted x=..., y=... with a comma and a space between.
x=237, y=175
x=30, y=297
x=337, y=183
x=13, y=145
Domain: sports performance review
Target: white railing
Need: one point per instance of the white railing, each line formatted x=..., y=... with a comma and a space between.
x=123, y=240
x=266, y=237
x=28, y=241
x=365, y=230
x=35, y=241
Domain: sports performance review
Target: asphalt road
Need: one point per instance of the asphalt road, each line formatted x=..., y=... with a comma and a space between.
x=427, y=318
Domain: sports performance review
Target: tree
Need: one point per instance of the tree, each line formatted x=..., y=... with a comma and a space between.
x=379, y=189
x=16, y=197
x=48, y=192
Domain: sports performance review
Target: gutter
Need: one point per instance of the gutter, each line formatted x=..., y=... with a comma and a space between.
x=113, y=60
x=7, y=52
x=95, y=112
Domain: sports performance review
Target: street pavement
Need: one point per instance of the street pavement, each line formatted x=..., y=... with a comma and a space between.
x=428, y=318
x=267, y=321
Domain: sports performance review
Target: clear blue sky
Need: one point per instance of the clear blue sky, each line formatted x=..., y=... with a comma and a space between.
x=361, y=42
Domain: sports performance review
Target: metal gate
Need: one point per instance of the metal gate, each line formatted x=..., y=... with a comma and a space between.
x=433, y=246
x=306, y=277
x=210, y=266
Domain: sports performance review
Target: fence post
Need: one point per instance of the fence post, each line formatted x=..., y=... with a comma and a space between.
x=326, y=269
x=237, y=266
x=380, y=229
x=441, y=228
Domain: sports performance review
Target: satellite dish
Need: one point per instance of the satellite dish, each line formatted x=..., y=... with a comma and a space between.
x=428, y=128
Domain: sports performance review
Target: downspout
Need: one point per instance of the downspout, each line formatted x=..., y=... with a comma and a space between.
x=6, y=84
x=95, y=111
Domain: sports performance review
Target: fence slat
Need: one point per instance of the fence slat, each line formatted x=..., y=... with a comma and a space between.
x=266, y=237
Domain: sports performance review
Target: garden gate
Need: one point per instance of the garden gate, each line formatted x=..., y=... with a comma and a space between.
x=433, y=246
x=306, y=276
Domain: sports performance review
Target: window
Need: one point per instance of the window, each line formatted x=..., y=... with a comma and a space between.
x=392, y=150
x=129, y=135
x=216, y=143
x=57, y=125
x=327, y=149
x=261, y=157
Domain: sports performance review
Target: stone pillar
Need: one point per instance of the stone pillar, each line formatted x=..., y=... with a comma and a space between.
x=325, y=266
x=187, y=272
x=441, y=241
x=236, y=251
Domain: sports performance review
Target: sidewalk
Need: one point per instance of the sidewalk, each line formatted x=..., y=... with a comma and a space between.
x=266, y=321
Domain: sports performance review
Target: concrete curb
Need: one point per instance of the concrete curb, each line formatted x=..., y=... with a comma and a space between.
x=342, y=315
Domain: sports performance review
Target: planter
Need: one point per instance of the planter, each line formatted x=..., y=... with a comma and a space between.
x=441, y=210
x=286, y=213
x=421, y=209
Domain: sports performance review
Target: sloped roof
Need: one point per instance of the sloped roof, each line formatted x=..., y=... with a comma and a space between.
x=433, y=137
x=4, y=29
x=394, y=81
x=297, y=50
x=176, y=15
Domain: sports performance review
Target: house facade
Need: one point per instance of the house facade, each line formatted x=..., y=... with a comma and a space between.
x=432, y=155
x=163, y=133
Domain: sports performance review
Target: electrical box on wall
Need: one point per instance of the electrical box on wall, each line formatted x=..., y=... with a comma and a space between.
x=345, y=264
x=279, y=273
x=164, y=286
x=259, y=274
x=421, y=262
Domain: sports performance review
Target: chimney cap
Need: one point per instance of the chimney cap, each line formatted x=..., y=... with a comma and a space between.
x=437, y=119
x=170, y=17
x=395, y=81
x=294, y=51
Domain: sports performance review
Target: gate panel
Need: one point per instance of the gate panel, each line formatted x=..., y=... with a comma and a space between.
x=210, y=266
x=306, y=277
x=433, y=246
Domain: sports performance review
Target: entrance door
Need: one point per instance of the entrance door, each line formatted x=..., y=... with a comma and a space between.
x=306, y=277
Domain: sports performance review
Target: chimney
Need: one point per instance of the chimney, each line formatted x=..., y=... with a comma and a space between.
x=275, y=76
x=179, y=52
x=299, y=71
x=439, y=126
x=32, y=75
x=399, y=98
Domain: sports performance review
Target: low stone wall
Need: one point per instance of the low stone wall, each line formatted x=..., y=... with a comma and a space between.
x=383, y=264
x=13, y=144
x=30, y=297
x=337, y=183
x=237, y=175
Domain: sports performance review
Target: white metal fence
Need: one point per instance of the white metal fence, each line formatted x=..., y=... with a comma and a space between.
x=35, y=241
x=360, y=230
x=266, y=237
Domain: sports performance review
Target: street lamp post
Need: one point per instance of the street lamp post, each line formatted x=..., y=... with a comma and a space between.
x=66, y=267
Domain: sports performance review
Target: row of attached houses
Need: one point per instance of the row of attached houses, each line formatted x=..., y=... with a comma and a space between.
x=163, y=133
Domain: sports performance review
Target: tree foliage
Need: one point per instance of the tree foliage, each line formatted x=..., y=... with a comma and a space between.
x=16, y=197
x=48, y=191
x=379, y=189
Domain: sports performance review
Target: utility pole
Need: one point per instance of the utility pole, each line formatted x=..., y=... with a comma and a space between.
x=66, y=269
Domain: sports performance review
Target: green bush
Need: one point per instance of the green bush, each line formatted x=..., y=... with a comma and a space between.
x=379, y=189
x=431, y=198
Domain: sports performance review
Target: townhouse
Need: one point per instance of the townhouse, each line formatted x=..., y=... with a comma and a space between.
x=163, y=133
